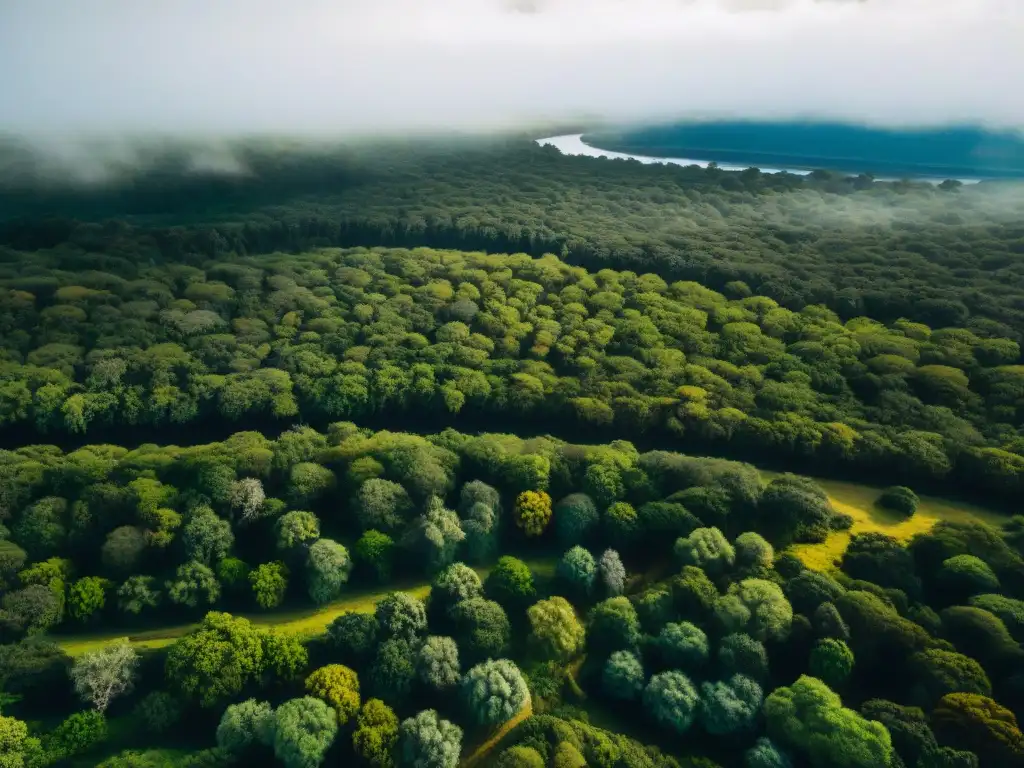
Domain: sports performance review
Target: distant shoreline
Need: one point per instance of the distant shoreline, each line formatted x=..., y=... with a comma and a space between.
x=573, y=144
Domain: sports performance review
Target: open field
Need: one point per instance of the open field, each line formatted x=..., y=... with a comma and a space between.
x=858, y=501
x=305, y=622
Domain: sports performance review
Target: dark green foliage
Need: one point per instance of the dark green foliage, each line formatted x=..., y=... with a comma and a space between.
x=451, y=586
x=623, y=676
x=683, y=646
x=621, y=523
x=353, y=636
x=658, y=520
x=908, y=727
x=400, y=615
x=481, y=628
x=792, y=508
x=693, y=593
x=159, y=711
x=975, y=723
x=740, y=654
x=981, y=635
x=494, y=692
x=429, y=741
x=882, y=560
x=375, y=553
x=613, y=626
x=1009, y=611
x=392, y=671
x=510, y=583
x=938, y=672
x=828, y=623
x=729, y=706
x=809, y=589
x=78, y=734
x=764, y=754
x=877, y=631
x=963, y=576
x=575, y=519
x=832, y=662
x=672, y=701
x=577, y=571
x=900, y=499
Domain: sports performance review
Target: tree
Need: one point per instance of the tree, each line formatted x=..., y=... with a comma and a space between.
x=481, y=628
x=296, y=529
x=308, y=482
x=87, y=597
x=436, y=534
x=206, y=537
x=353, y=637
x=577, y=571
x=244, y=725
x=976, y=723
x=376, y=734
x=15, y=743
x=327, y=570
x=613, y=626
x=672, y=700
x=382, y=505
x=623, y=676
x=743, y=655
x=427, y=741
x=575, y=519
x=809, y=716
x=400, y=615
x=764, y=754
x=77, y=735
x=392, y=672
x=882, y=560
x=828, y=623
x=137, y=594
x=101, y=676
x=832, y=662
x=729, y=706
x=938, y=672
x=481, y=527
x=519, y=757
x=1007, y=609
x=912, y=738
x=217, y=660
x=160, y=712
x=693, y=593
x=40, y=529
x=247, y=498
x=284, y=656
x=533, y=512
x=510, y=583
x=554, y=629
x=620, y=523
x=982, y=635
x=338, y=686
x=899, y=499
x=809, y=589
x=613, y=573
x=376, y=552
x=495, y=691
x=269, y=583
x=706, y=548
x=963, y=576
x=122, y=551
x=194, y=583
x=34, y=609
x=604, y=483
x=304, y=730
x=753, y=551
x=437, y=663
x=757, y=607
x=454, y=584
x=683, y=646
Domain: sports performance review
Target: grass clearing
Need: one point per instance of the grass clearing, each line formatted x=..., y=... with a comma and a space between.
x=858, y=501
x=305, y=622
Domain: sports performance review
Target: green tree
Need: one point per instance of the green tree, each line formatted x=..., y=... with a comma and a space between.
x=554, y=629
x=757, y=607
x=393, y=671
x=87, y=597
x=338, y=686
x=269, y=583
x=577, y=571
x=137, y=594
x=809, y=716
x=328, y=566
x=437, y=663
x=832, y=662
x=194, y=583
x=753, y=551
x=962, y=576
x=454, y=584
x=285, y=657
x=375, y=551
x=304, y=730
x=382, y=505
x=436, y=535
x=938, y=672
x=400, y=615
x=969, y=721
x=740, y=654
x=693, y=593
x=672, y=700
x=706, y=548
x=353, y=637
x=621, y=524
x=481, y=628
x=245, y=725
x=729, y=706
x=899, y=499
x=764, y=754
x=428, y=741
x=623, y=676
x=296, y=529
x=683, y=646
x=79, y=734
x=376, y=735
x=495, y=691
x=159, y=711
x=575, y=519
x=613, y=626
x=122, y=551
x=510, y=583
x=206, y=537
x=217, y=660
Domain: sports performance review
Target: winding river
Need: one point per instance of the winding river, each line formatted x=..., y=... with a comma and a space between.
x=572, y=144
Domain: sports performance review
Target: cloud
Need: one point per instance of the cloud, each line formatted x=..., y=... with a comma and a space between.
x=332, y=68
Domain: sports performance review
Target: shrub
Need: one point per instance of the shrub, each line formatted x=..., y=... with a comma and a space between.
x=672, y=700
x=623, y=676
x=899, y=498
x=683, y=646
x=831, y=661
x=575, y=519
x=495, y=691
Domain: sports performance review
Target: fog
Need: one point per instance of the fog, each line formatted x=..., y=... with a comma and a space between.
x=117, y=69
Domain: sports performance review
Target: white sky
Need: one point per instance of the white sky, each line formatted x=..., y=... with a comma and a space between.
x=341, y=67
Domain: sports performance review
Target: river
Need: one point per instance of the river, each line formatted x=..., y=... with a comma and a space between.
x=572, y=144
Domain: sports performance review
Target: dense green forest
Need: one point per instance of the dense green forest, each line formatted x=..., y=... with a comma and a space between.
x=492, y=377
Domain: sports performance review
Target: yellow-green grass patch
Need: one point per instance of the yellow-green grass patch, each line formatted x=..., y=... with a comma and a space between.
x=860, y=502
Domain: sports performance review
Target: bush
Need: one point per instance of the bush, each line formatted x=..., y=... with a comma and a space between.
x=338, y=687
x=78, y=734
x=831, y=661
x=623, y=676
x=353, y=636
x=672, y=700
x=740, y=654
x=510, y=583
x=976, y=723
x=730, y=706
x=427, y=741
x=706, y=548
x=613, y=626
x=938, y=672
x=481, y=628
x=683, y=646
x=963, y=576
x=575, y=519
x=899, y=498
x=160, y=712
x=375, y=552
x=577, y=571
x=244, y=725
x=495, y=692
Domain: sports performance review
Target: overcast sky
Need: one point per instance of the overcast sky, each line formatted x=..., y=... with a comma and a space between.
x=334, y=67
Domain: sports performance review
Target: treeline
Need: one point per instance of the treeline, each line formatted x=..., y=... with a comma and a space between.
x=944, y=257
x=94, y=342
